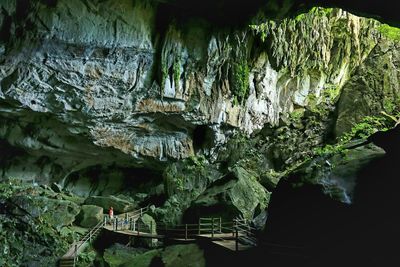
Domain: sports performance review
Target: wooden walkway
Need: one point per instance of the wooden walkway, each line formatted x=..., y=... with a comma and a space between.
x=228, y=235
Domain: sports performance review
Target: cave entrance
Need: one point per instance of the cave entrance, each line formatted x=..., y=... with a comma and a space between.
x=142, y=184
x=203, y=138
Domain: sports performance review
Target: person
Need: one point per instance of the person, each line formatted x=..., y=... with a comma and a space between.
x=111, y=214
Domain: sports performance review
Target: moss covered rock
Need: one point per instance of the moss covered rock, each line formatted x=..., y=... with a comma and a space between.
x=374, y=87
x=56, y=212
x=237, y=194
x=90, y=216
x=337, y=170
x=149, y=224
x=118, y=255
x=119, y=205
x=183, y=255
x=145, y=259
x=171, y=256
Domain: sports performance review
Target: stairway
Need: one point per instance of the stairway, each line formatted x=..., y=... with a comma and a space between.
x=66, y=262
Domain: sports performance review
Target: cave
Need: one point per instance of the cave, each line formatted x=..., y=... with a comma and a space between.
x=285, y=121
x=203, y=138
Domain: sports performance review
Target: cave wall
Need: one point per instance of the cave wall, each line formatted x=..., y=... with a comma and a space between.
x=85, y=83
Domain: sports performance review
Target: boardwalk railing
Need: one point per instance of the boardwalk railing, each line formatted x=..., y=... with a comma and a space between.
x=244, y=233
x=238, y=230
x=72, y=255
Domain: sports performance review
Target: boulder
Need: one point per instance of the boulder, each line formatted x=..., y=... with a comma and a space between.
x=56, y=212
x=237, y=194
x=148, y=225
x=172, y=256
x=90, y=216
x=145, y=260
x=119, y=205
x=118, y=254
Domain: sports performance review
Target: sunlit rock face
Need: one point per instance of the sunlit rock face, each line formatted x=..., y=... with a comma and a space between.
x=100, y=82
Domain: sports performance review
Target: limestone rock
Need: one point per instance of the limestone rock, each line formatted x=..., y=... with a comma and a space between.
x=374, y=87
x=90, y=216
x=73, y=96
x=237, y=194
x=337, y=173
x=119, y=205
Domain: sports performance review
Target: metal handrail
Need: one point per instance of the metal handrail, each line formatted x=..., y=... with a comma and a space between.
x=94, y=230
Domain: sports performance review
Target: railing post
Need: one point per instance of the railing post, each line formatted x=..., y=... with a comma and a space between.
x=237, y=240
x=138, y=232
x=90, y=236
x=220, y=225
x=116, y=224
x=212, y=227
x=151, y=227
x=141, y=212
x=199, y=225
x=186, y=231
x=134, y=226
x=105, y=221
x=76, y=253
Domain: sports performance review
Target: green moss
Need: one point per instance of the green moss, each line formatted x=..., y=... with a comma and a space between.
x=177, y=70
x=297, y=114
x=389, y=105
x=362, y=130
x=144, y=260
x=240, y=86
x=263, y=29
x=390, y=32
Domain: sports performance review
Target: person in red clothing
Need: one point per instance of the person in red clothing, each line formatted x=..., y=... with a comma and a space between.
x=111, y=214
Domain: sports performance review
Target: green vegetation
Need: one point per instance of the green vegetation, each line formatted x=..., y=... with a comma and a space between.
x=362, y=130
x=177, y=70
x=263, y=29
x=390, y=32
x=240, y=88
x=27, y=236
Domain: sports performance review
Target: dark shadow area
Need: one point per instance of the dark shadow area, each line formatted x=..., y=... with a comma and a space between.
x=218, y=210
x=203, y=137
x=113, y=179
x=8, y=151
x=237, y=13
x=311, y=229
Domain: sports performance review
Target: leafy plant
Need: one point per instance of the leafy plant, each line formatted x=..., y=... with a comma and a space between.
x=240, y=87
